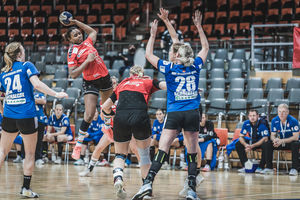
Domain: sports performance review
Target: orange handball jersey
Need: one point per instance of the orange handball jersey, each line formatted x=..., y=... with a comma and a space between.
x=77, y=54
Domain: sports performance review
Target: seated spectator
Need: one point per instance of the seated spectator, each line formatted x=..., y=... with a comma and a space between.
x=254, y=135
x=128, y=59
x=60, y=123
x=284, y=136
x=94, y=135
x=208, y=144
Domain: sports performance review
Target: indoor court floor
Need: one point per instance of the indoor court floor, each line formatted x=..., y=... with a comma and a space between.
x=62, y=182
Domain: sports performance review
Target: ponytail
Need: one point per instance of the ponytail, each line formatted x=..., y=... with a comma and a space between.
x=67, y=35
x=11, y=53
x=137, y=70
x=185, y=55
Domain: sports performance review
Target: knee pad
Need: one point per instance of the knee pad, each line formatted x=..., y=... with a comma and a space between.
x=122, y=156
x=144, y=156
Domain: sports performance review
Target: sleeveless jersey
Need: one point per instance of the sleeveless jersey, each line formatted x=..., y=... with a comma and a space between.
x=19, y=99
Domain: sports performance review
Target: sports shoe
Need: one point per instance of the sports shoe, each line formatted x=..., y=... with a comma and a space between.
x=226, y=166
x=39, y=162
x=166, y=166
x=28, y=193
x=144, y=191
x=127, y=162
x=76, y=152
x=148, y=197
x=183, y=192
x=45, y=158
x=206, y=168
x=191, y=195
x=293, y=172
x=79, y=162
x=103, y=163
x=267, y=171
x=119, y=189
x=53, y=157
x=182, y=165
x=258, y=170
x=85, y=173
x=18, y=159
x=242, y=170
x=58, y=160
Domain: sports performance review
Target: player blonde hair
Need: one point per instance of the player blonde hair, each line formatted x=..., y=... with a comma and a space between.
x=11, y=53
x=176, y=46
x=284, y=106
x=185, y=55
x=137, y=70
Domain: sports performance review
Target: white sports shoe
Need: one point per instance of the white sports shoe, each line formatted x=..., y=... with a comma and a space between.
x=53, y=157
x=166, y=166
x=191, y=195
x=293, y=172
x=58, y=160
x=119, y=189
x=242, y=170
x=18, y=159
x=184, y=191
x=103, y=163
x=85, y=173
x=39, y=162
x=28, y=193
x=267, y=171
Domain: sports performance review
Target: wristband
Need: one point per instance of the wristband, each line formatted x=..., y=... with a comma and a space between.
x=56, y=94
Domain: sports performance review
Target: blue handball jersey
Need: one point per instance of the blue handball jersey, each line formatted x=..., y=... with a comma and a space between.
x=40, y=109
x=182, y=85
x=95, y=127
x=19, y=100
x=285, y=130
x=157, y=127
x=262, y=131
x=63, y=121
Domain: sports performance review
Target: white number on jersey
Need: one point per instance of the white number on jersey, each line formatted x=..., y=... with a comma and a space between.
x=16, y=84
x=189, y=81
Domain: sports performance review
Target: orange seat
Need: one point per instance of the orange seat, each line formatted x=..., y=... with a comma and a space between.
x=133, y=6
x=184, y=16
x=236, y=134
x=121, y=6
x=184, y=4
x=96, y=7
x=222, y=134
x=108, y=6
x=84, y=7
x=105, y=18
x=47, y=9
x=61, y=8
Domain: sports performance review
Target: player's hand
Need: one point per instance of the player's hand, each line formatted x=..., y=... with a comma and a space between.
x=163, y=15
x=91, y=57
x=72, y=22
x=197, y=19
x=154, y=27
x=61, y=95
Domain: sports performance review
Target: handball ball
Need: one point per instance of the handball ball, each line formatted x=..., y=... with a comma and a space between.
x=65, y=17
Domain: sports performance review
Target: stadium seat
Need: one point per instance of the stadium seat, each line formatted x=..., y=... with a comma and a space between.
x=237, y=83
x=218, y=63
x=35, y=56
x=56, y=89
x=73, y=92
x=254, y=83
x=294, y=96
x=161, y=77
x=261, y=103
x=255, y=93
x=215, y=93
x=203, y=84
x=48, y=82
x=149, y=72
x=239, y=54
x=292, y=83
x=237, y=106
x=160, y=94
x=273, y=83
x=235, y=93
x=203, y=73
x=235, y=64
x=222, y=54
x=274, y=94
x=59, y=74
x=218, y=83
x=219, y=106
x=41, y=67
x=117, y=64
x=62, y=83
x=234, y=73
x=77, y=83
x=217, y=73
x=50, y=58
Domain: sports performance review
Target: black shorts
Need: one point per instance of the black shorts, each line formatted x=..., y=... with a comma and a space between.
x=25, y=126
x=94, y=86
x=128, y=123
x=187, y=120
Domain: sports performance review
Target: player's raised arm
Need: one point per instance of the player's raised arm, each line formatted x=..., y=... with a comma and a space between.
x=204, y=43
x=163, y=15
x=149, y=48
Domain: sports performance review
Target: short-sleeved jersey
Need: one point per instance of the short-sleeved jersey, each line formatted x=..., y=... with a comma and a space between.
x=78, y=53
x=95, y=127
x=182, y=85
x=143, y=85
x=42, y=118
x=63, y=121
x=262, y=130
x=157, y=127
x=285, y=130
x=166, y=37
x=19, y=100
